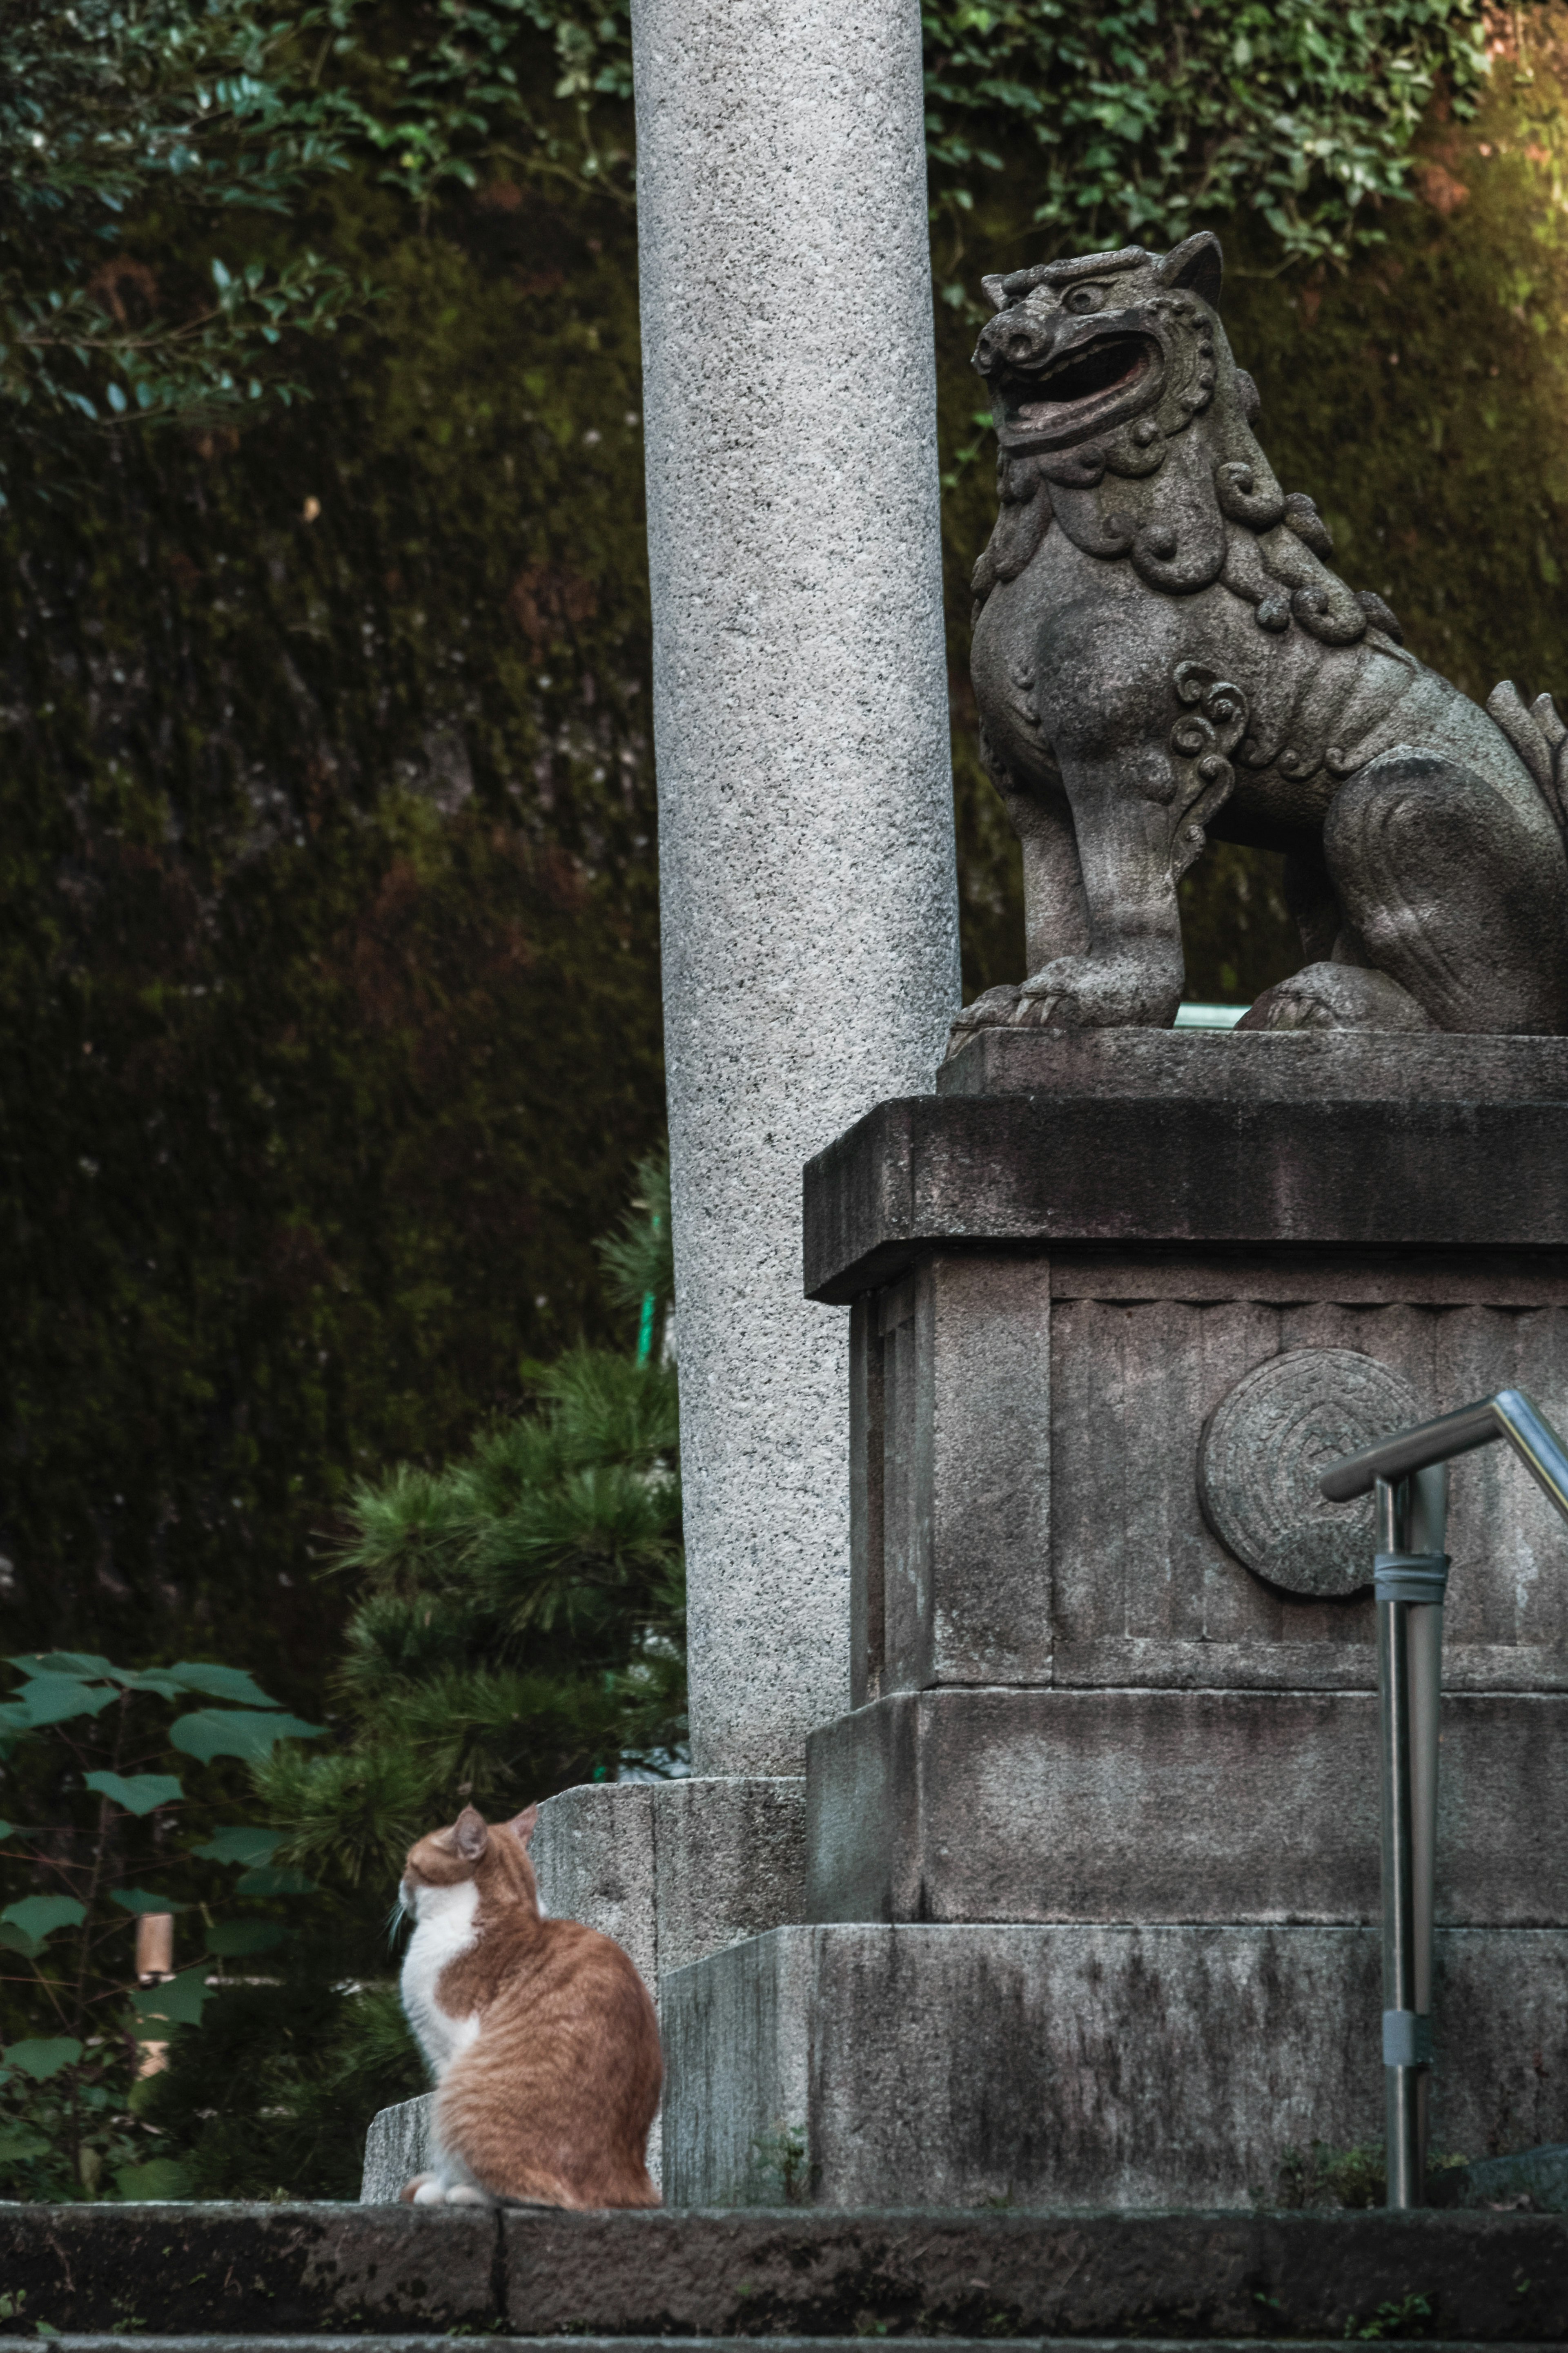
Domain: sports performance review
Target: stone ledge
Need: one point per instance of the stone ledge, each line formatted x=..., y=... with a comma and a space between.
x=1254, y=1065
x=1028, y=1172
x=227, y=2275
x=714, y=2344
x=1228, y=1807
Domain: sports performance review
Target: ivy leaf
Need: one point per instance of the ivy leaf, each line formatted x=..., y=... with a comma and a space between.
x=40, y=1915
x=139, y=1793
x=140, y=1900
x=20, y=2144
x=239, y=1844
x=236, y=1732
x=177, y=2002
x=42, y=2059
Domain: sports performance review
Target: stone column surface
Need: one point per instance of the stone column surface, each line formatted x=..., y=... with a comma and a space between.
x=809, y=904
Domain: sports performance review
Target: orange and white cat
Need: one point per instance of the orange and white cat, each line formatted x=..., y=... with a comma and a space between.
x=541, y=2034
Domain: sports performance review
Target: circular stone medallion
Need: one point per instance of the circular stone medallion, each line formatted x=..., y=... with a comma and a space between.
x=1267, y=1444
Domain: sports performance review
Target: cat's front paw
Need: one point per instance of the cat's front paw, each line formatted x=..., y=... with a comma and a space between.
x=429, y=2191
x=409, y=2193
x=463, y=2193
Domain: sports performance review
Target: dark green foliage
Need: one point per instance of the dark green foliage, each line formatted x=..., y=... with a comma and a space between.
x=330, y=965
x=96, y=1840
x=518, y=1628
x=520, y=1625
x=272, y=2094
x=1141, y=120
x=115, y=114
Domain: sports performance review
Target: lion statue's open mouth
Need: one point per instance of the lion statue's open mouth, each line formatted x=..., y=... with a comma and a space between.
x=1079, y=389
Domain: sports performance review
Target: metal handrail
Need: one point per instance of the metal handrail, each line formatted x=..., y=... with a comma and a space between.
x=1509, y=1414
x=1410, y=1474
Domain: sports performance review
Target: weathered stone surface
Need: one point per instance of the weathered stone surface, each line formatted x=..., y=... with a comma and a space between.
x=806, y=859
x=796, y=2277
x=673, y=1870
x=594, y=1857
x=951, y=1517
x=401, y=2142
x=205, y=2343
x=1162, y=651
x=279, y=2269
x=1534, y=2178
x=1172, y=1806
x=1093, y=1374
x=1191, y=2275
x=1251, y=1066
x=1135, y=2066
x=1030, y=1172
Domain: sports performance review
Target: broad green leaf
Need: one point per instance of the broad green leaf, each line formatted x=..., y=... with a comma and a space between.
x=177, y=2003
x=139, y=1793
x=236, y=1732
x=220, y=1682
x=16, y=1940
x=40, y=1915
x=62, y=1662
x=43, y=2059
x=231, y=1939
x=247, y=1843
x=6, y=1829
x=55, y=1699
x=139, y=1899
x=18, y=2144
x=154, y=1680
x=161, y=2178
x=267, y=1881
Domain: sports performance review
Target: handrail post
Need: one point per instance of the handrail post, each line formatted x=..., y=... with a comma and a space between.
x=1405, y=2156
x=1409, y=1471
x=1410, y=1574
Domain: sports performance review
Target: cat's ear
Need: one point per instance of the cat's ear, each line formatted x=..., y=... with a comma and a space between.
x=522, y=1826
x=471, y=1835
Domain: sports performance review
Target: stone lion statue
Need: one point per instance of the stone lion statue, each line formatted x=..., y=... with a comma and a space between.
x=1162, y=652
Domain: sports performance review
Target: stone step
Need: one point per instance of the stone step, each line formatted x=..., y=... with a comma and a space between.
x=254, y=2275
x=724, y=2343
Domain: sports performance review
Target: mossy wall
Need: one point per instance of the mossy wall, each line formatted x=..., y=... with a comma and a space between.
x=329, y=960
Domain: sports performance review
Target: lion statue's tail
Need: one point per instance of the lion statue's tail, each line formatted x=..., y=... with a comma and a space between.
x=1539, y=736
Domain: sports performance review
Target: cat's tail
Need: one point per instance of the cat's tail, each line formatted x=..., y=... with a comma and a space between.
x=1539, y=736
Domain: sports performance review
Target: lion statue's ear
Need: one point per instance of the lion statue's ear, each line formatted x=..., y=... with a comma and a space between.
x=994, y=289
x=1197, y=264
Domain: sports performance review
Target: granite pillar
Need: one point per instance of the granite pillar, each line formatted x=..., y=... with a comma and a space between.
x=807, y=858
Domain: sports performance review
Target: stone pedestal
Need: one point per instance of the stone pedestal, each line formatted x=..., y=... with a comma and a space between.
x=1093, y=1857
x=674, y=1869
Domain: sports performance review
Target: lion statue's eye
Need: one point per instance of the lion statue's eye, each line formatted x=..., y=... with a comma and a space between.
x=1084, y=298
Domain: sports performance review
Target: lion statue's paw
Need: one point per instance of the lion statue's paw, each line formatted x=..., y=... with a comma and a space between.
x=1095, y=992
x=995, y=1010
x=1336, y=997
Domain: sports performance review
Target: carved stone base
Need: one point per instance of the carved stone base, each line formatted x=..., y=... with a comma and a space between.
x=1221, y=1806
x=862, y=2066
